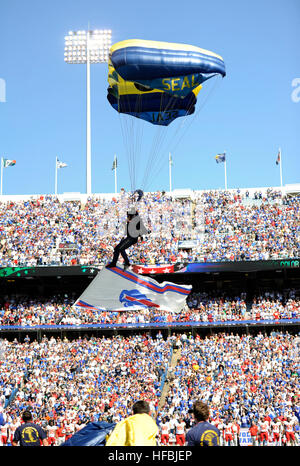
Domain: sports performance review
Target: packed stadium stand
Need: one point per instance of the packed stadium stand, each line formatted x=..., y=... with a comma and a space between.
x=221, y=225
x=235, y=344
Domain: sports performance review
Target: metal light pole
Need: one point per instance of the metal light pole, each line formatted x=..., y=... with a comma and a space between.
x=88, y=47
x=170, y=171
x=88, y=120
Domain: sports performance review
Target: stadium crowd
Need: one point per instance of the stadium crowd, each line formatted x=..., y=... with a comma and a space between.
x=248, y=382
x=225, y=225
x=238, y=229
x=74, y=382
x=201, y=307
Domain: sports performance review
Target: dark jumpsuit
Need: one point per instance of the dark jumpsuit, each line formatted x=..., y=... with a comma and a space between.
x=124, y=244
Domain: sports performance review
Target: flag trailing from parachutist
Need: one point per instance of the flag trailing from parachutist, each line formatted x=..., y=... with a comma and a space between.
x=116, y=289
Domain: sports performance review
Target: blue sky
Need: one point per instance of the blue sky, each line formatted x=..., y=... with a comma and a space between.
x=250, y=113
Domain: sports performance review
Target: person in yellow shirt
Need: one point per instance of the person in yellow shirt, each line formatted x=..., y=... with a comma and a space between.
x=136, y=430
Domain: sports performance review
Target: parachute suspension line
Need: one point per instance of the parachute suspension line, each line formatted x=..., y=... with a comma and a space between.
x=125, y=128
x=139, y=139
x=179, y=132
x=160, y=136
x=168, y=133
x=156, y=168
x=130, y=135
x=133, y=136
x=154, y=154
x=192, y=119
x=126, y=124
x=155, y=143
x=131, y=155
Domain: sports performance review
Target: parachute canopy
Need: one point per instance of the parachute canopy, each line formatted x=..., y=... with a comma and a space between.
x=174, y=68
x=152, y=105
x=92, y=435
x=158, y=81
x=162, y=83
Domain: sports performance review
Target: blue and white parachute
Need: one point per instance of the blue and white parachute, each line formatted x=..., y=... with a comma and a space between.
x=161, y=83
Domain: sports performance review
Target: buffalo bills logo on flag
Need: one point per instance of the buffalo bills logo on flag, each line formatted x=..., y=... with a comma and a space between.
x=119, y=290
x=132, y=297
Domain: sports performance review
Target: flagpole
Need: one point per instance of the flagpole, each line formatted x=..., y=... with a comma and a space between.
x=56, y=175
x=225, y=172
x=115, y=166
x=170, y=171
x=280, y=167
x=1, y=174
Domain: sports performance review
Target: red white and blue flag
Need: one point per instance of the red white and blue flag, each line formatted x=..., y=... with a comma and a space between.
x=116, y=289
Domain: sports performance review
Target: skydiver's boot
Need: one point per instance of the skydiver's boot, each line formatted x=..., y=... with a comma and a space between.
x=111, y=265
x=126, y=266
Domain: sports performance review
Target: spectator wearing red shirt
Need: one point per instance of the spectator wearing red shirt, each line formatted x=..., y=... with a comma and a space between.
x=254, y=433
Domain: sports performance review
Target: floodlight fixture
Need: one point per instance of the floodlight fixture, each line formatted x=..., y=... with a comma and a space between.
x=87, y=46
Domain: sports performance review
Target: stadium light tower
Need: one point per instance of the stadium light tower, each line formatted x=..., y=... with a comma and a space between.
x=88, y=47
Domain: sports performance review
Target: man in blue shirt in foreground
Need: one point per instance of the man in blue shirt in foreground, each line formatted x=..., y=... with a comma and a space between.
x=203, y=434
x=29, y=434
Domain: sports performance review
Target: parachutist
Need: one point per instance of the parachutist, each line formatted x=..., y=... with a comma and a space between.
x=134, y=230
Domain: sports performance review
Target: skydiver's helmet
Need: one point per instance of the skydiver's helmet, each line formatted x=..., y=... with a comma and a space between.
x=138, y=193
